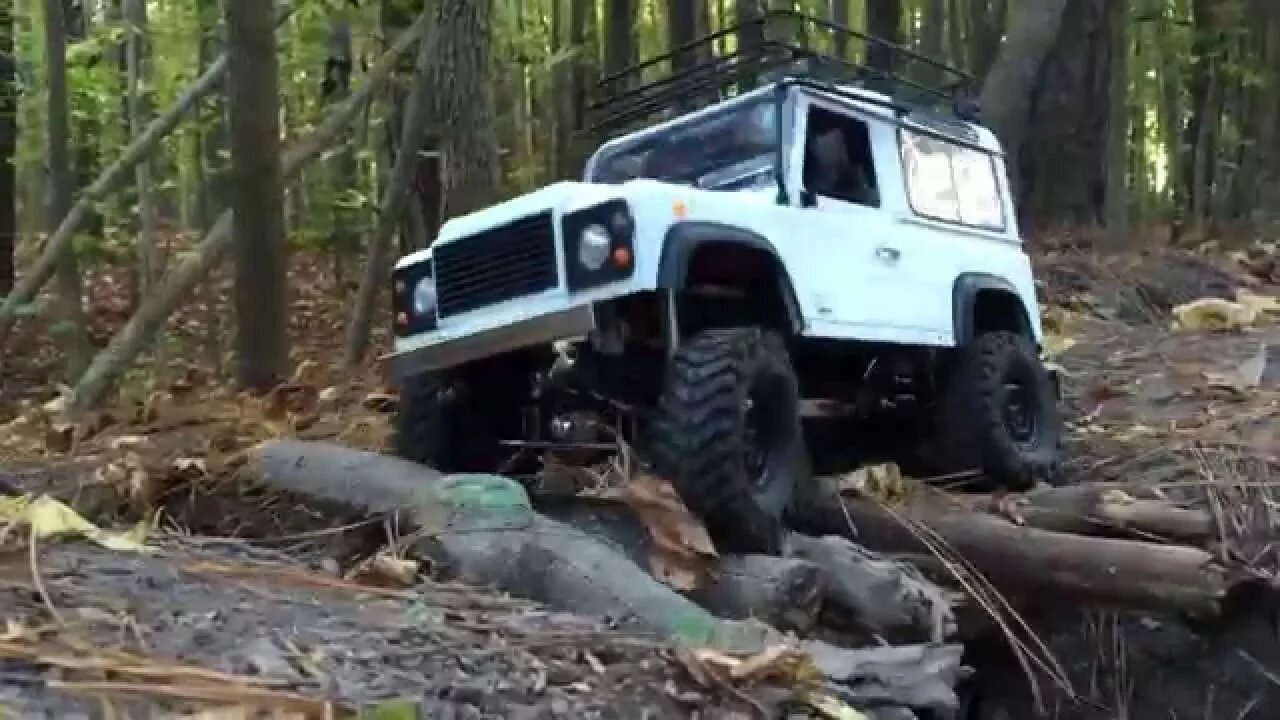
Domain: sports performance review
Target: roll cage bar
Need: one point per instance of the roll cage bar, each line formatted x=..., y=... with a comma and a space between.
x=782, y=47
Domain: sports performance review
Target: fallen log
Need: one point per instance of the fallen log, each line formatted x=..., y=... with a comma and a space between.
x=785, y=593
x=1104, y=509
x=1028, y=560
x=485, y=529
x=885, y=597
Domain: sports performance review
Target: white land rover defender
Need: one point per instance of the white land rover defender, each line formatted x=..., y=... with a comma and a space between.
x=807, y=265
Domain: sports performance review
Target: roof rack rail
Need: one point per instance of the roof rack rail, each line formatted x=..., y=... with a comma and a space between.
x=779, y=44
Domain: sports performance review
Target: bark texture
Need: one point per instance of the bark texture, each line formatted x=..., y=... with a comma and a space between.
x=460, y=66
x=1008, y=88
x=262, y=350
x=8, y=147
x=71, y=328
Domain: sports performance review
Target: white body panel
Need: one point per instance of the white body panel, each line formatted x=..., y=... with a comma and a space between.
x=881, y=274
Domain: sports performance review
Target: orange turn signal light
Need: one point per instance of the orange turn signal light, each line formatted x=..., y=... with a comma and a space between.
x=622, y=257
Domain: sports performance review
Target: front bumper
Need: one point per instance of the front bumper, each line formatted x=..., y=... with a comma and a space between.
x=451, y=352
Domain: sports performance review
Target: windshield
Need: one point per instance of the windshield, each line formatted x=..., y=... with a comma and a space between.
x=732, y=149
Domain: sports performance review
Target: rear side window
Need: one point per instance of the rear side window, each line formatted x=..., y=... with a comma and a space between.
x=949, y=182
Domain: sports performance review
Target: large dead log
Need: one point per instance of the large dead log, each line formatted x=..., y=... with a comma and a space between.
x=485, y=528
x=786, y=593
x=1104, y=509
x=883, y=596
x=1028, y=560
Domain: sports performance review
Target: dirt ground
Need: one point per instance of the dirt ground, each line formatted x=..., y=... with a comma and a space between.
x=136, y=628
x=92, y=632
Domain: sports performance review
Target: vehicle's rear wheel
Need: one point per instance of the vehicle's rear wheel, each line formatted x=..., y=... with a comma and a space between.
x=727, y=434
x=998, y=414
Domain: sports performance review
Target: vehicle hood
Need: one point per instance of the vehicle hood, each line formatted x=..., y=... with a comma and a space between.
x=561, y=197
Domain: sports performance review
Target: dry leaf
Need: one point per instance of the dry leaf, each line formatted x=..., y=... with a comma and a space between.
x=683, y=555
x=883, y=482
x=385, y=570
x=1213, y=313
x=831, y=707
x=48, y=517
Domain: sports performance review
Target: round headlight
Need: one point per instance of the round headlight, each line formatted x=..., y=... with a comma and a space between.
x=593, y=247
x=424, y=296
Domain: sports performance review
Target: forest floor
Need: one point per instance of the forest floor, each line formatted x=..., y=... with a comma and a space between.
x=247, y=598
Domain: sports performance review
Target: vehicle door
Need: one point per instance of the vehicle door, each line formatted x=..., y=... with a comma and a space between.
x=852, y=242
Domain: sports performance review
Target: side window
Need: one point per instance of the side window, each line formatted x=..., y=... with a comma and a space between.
x=837, y=158
x=948, y=182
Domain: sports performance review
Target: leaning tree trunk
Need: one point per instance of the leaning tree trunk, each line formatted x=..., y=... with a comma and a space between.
x=73, y=328
x=412, y=133
x=139, y=149
x=262, y=349
x=175, y=287
x=459, y=67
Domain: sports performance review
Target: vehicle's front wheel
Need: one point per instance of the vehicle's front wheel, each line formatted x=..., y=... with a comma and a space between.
x=454, y=425
x=998, y=414
x=727, y=434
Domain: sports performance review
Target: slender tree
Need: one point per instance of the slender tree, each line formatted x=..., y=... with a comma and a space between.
x=8, y=147
x=262, y=350
x=61, y=187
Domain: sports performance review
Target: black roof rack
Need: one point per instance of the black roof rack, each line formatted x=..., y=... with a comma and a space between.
x=786, y=45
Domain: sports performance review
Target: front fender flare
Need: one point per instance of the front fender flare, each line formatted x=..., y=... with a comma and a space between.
x=964, y=298
x=683, y=239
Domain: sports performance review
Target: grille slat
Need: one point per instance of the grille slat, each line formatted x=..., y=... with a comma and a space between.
x=499, y=264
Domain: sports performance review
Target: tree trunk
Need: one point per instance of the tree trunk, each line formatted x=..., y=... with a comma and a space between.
x=213, y=142
x=620, y=41
x=933, y=24
x=1203, y=88
x=840, y=16
x=178, y=283
x=884, y=22
x=1116, y=209
x=335, y=87
x=73, y=324
x=261, y=282
x=472, y=173
x=8, y=147
x=139, y=94
x=412, y=134
x=1008, y=88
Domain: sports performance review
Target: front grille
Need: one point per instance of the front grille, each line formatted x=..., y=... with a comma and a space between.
x=506, y=262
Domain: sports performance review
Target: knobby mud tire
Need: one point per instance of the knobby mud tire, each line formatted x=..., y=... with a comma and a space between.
x=700, y=437
x=973, y=433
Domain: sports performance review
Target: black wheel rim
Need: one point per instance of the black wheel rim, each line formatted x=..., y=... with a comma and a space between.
x=764, y=429
x=1020, y=412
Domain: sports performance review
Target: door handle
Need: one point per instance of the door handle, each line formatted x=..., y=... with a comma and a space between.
x=888, y=254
